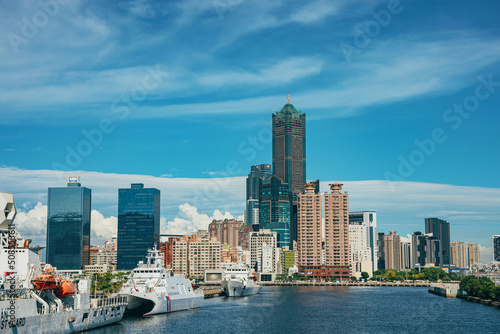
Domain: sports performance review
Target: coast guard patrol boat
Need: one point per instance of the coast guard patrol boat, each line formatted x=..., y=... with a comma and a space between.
x=32, y=301
x=151, y=289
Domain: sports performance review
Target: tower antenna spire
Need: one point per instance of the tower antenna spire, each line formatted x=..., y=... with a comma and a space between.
x=288, y=99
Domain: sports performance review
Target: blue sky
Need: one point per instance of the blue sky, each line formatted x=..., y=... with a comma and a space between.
x=182, y=89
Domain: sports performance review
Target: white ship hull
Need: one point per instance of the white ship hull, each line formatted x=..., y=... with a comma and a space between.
x=60, y=322
x=237, y=288
x=147, y=304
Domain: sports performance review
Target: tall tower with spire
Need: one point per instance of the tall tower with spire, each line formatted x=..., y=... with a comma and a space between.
x=289, y=155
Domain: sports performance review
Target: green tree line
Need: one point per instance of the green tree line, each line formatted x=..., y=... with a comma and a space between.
x=481, y=287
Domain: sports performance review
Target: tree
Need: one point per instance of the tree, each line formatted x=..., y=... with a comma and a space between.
x=433, y=274
x=365, y=275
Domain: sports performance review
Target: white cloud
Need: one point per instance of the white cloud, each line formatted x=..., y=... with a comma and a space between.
x=189, y=203
x=486, y=253
x=191, y=220
x=103, y=228
x=285, y=71
x=32, y=223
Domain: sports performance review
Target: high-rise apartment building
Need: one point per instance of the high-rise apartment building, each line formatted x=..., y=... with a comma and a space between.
x=203, y=254
x=419, y=248
x=275, y=209
x=309, y=230
x=68, y=226
x=289, y=155
x=336, y=212
x=363, y=238
x=440, y=230
x=259, y=243
x=405, y=255
x=226, y=231
x=193, y=255
x=496, y=248
x=392, y=244
x=459, y=254
x=138, y=224
x=473, y=253
x=180, y=256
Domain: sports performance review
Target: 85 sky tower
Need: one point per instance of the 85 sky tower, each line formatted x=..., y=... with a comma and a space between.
x=289, y=155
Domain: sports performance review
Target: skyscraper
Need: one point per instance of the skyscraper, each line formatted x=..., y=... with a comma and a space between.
x=440, y=229
x=252, y=212
x=496, y=248
x=138, y=224
x=419, y=249
x=337, y=230
x=380, y=252
x=458, y=254
x=254, y=179
x=254, y=190
x=405, y=255
x=309, y=230
x=473, y=253
x=275, y=209
x=289, y=155
x=392, y=244
x=363, y=226
x=68, y=226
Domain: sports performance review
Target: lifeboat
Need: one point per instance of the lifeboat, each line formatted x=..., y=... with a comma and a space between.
x=67, y=289
x=48, y=280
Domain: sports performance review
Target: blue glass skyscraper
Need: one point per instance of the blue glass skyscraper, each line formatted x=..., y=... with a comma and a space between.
x=138, y=224
x=275, y=209
x=68, y=226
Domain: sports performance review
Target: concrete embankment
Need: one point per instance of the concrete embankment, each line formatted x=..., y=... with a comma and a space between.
x=445, y=290
x=306, y=283
x=478, y=300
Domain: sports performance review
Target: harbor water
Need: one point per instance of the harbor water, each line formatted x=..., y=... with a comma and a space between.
x=323, y=310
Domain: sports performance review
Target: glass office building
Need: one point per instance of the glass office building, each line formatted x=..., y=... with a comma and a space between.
x=440, y=230
x=68, y=226
x=275, y=209
x=138, y=224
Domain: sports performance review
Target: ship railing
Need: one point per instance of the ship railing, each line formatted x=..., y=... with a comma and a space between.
x=6, y=294
x=108, y=301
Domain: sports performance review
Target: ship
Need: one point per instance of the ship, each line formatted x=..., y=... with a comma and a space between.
x=239, y=281
x=152, y=289
x=36, y=301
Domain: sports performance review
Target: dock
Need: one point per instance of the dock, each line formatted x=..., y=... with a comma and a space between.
x=445, y=290
x=213, y=292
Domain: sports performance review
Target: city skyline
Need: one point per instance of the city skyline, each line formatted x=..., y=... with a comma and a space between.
x=195, y=124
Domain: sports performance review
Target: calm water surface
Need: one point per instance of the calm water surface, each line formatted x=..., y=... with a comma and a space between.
x=324, y=310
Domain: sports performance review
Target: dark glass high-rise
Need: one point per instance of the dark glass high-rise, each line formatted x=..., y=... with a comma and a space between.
x=138, y=224
x=275, y=209
x=440, y=230
x=68, y=226
x=289, y=155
